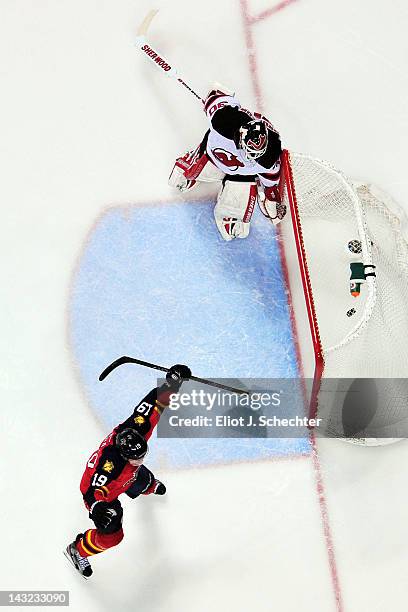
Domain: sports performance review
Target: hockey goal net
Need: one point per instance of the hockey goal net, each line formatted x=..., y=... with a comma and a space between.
x=352, y=337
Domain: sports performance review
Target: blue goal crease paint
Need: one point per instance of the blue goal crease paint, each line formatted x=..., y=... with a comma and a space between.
x=160, y=284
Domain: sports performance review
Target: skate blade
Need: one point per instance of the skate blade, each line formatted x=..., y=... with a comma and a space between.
x=67, y=556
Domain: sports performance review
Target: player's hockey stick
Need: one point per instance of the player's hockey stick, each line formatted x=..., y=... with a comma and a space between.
x=122, y=360
x=156, y=57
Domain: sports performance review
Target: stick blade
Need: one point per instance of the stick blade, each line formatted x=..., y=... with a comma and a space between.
x=113, y=366
x=144, y=26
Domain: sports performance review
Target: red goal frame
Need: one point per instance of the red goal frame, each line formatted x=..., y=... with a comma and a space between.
x=288, y=185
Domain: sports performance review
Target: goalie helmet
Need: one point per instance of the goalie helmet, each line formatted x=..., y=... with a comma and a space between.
x=131, y=444
x=252, y=138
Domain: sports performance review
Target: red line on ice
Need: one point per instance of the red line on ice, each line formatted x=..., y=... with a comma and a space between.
x=326, y=523
x=270, y=11
x=252, y=56
x=249, y=21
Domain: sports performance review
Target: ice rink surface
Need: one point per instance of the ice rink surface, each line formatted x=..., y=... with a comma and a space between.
x=89, y=133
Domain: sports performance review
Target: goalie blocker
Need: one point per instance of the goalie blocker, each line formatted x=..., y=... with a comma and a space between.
x=241, y=151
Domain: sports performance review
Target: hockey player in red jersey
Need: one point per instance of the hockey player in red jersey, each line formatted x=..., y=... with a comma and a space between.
x=117, y=468
x=241, y=151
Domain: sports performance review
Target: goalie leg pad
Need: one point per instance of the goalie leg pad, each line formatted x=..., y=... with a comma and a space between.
x=233, y=211
x=230, y=228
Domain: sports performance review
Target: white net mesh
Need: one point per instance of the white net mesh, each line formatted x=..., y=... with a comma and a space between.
x=362, y=335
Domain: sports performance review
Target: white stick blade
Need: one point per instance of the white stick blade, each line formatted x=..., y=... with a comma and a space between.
x=144, y=26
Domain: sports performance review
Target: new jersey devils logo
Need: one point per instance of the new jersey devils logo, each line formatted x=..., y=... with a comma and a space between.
x=228, y=159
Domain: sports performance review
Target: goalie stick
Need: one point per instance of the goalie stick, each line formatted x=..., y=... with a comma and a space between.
x=156, y=57
x=122, y=360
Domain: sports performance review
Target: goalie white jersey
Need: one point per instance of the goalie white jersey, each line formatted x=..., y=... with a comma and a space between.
x=241, y=151
x=226, y=118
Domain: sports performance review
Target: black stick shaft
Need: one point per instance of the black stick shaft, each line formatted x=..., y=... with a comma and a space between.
x=122, y=360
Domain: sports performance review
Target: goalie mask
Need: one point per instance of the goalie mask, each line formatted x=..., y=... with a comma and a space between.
x=252, y=138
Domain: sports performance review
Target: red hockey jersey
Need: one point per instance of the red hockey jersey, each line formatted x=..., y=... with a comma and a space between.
x=107, y=473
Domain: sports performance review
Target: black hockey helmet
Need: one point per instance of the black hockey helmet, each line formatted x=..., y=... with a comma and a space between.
x=131, y=444
x=252, y=138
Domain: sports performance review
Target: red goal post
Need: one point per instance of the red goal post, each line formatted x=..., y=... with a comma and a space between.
x=334, y=224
